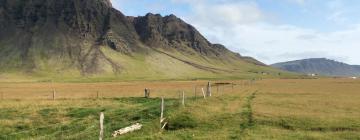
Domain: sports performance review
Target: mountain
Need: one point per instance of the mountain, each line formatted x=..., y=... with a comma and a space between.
x=89, y=38
x=320, y=66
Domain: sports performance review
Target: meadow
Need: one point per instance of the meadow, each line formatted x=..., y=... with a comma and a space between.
x=243, y=109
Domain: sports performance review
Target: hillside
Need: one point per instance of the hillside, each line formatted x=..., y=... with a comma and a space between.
x=320, y=66
x=76, y=39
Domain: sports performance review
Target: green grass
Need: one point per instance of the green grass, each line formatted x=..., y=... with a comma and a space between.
x=78, y=119
x=64, y=120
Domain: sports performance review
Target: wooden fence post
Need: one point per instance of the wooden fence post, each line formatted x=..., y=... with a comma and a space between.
x=147, y=93
x=54, y=94
x=208, y=90
x=203, y=92
x=101, y=135
x=162, y=111
x=54, y=91
x=162, y=119
x=162, y=108
x=97, y=94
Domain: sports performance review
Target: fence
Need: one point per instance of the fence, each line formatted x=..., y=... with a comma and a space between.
x=195, y=90
x=111, y=90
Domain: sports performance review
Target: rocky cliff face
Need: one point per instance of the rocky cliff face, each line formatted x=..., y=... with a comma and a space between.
x=69, y=31
x=58, y=35
x=77, y=16
x=170, y=32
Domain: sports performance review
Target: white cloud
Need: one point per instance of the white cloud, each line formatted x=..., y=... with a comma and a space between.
x=243, y=27
x=228, y=13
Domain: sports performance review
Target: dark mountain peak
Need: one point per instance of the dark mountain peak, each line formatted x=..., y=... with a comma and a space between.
x=152, y=15
x=172, y=17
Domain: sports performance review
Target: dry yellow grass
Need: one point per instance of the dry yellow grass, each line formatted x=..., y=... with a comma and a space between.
x=281, y=109
x=110, y=89
x=307, y=109
x=325, y=97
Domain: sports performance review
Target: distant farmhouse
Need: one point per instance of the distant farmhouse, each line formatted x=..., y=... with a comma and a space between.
x=312, y=74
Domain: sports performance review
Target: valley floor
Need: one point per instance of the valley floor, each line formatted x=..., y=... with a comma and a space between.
x=261, y=109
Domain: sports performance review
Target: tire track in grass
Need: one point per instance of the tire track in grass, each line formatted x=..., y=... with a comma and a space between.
x=247, y=118
x=247, y=113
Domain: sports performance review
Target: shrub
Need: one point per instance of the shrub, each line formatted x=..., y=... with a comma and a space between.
x=181, y=122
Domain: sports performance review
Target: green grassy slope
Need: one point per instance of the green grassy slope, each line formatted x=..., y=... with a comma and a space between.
x=149, y=65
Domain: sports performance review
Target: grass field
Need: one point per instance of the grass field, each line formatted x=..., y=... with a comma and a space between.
x=264, y=109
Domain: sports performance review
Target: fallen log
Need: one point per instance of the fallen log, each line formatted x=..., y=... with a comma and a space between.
x=125, y=130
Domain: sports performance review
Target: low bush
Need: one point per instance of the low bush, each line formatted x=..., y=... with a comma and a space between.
x=181, y=122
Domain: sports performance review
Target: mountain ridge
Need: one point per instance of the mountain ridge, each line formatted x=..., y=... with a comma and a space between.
x=321, y=66
x=90, y=38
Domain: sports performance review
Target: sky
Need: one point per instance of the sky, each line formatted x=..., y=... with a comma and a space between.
x=268, y=30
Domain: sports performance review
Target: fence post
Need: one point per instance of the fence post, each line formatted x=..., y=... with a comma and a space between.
x=54, y=94
x=162, y=111
x=162, y=108
x=162, y=119
x=2, y=95
x=147, y=93
x=208, y=90
x=54, y=91
x=101, y=136
x=203, y=92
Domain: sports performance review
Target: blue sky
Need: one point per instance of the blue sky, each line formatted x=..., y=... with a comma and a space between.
x=269, y=30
